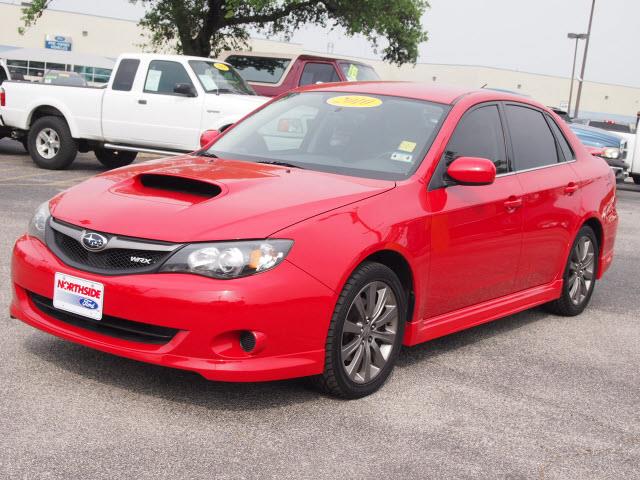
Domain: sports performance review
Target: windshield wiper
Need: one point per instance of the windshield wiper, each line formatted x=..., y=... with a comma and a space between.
x=208, y=154
x=281, y=164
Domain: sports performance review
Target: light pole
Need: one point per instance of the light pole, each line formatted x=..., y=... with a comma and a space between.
x=577, y=37
x=584, y=60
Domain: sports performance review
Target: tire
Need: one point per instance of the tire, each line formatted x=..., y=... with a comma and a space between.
x=376, y=339
x=573, y=302
x=62, y=150
x=114, y=158
x=636, y=178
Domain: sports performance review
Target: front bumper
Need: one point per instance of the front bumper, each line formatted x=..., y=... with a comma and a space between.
x=288, y=309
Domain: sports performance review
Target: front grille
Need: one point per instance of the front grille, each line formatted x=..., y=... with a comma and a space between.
x=122, y=255
x=110, y=326
x=113, y=259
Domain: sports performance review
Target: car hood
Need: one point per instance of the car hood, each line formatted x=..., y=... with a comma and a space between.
x=596, y=136
x=190, y=199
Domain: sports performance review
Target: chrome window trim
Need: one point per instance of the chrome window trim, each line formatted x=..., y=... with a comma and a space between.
x=113, y=240
x=515, y=172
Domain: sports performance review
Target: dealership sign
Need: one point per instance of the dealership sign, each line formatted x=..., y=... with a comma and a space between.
x=58, y=42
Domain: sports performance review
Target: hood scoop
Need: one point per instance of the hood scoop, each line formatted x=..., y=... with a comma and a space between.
x=179, y=187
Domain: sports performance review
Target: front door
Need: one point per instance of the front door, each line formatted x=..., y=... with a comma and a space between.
x=476, y=231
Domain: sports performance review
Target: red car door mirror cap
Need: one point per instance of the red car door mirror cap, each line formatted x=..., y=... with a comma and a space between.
x=472, y=171
x=208, y=137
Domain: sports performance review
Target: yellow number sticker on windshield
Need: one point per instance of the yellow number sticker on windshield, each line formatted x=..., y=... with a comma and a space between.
x=221, y=66
x=352, y=73
x=406, y=146
x=354, y=101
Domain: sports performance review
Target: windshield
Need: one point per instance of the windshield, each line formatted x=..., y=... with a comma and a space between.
x=357, y=72
x=371, y=136
x=216, y=77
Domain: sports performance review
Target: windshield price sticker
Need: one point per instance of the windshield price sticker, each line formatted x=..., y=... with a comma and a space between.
x=354, y=101
x=221, y=66
x=406, y=146
x=352, y=73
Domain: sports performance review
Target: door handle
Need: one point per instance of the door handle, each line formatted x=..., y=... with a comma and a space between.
x=142, y=102
x=513, y=203
x=571, y=188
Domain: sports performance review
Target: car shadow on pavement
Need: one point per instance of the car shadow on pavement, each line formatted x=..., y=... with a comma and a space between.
x=166, y=383
x=12, y=148
x=439, y=346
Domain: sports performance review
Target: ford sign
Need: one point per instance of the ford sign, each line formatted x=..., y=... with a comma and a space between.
x=88, y=303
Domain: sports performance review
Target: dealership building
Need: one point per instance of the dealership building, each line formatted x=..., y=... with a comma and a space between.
x=89, y=44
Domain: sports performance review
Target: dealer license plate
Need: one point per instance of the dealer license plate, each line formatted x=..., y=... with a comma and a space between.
x=79, y=296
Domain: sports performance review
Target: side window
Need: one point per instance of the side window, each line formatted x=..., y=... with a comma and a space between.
x=480, y=134
x=125, y=75
x=565, y=148
x=533, y=143
x=3, y=75
x=318, y=73
x=163, y=76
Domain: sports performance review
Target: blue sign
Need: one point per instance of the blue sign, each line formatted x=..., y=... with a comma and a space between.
x=58, y=42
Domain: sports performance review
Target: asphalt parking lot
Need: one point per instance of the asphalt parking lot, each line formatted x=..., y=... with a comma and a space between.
x=528, y=396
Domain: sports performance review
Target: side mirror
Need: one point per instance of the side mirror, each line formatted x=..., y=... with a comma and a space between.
x=208, y=137
x=472, y=171
x=184, y=89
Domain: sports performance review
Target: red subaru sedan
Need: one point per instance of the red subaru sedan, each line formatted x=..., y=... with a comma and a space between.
x=321, y=233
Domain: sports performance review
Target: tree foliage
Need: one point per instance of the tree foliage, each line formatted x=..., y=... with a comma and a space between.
x=206, y=27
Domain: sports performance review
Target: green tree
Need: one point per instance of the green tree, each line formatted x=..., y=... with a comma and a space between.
x=206, y=27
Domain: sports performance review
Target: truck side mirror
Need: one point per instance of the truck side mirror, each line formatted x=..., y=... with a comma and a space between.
x=185, y=89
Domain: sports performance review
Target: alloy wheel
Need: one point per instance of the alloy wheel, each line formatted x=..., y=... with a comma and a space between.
x=48, y=143
x=581, y=270
x=369, y=332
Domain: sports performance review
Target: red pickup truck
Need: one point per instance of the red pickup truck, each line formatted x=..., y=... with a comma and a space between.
x=273, y=74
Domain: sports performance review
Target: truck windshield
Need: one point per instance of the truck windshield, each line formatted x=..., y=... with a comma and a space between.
x=358, y=72
x=217, y=77
x=372, y=136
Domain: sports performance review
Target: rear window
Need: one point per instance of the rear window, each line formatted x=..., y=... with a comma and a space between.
x=357, y=72
x=259, y=69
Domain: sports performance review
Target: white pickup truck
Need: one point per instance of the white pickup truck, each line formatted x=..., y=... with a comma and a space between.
x=152, y=103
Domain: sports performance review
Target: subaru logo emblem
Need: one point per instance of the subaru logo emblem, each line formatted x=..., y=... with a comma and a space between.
x=93, y=241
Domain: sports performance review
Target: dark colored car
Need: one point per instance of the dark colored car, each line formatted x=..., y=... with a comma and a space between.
x=271, y=75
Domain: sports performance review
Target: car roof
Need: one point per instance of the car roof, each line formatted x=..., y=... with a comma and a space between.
x=421, y=91
x=175, y=58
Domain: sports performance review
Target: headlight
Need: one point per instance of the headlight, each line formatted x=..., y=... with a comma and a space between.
x=228, y=259
x=612, y=153
x=39, y=221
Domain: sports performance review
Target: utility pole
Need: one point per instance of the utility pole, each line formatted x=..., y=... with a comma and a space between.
x=584, y=60
x=577, y=37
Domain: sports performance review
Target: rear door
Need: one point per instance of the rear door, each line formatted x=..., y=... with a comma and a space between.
x=543, y=163
x=118, y=102
x=476, y=231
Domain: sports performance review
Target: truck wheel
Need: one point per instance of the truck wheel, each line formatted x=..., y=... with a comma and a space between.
x=50, y=143
x=114, y=158
x=636, y=178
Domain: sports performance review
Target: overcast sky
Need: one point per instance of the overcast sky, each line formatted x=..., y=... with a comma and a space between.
x=527, y=35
